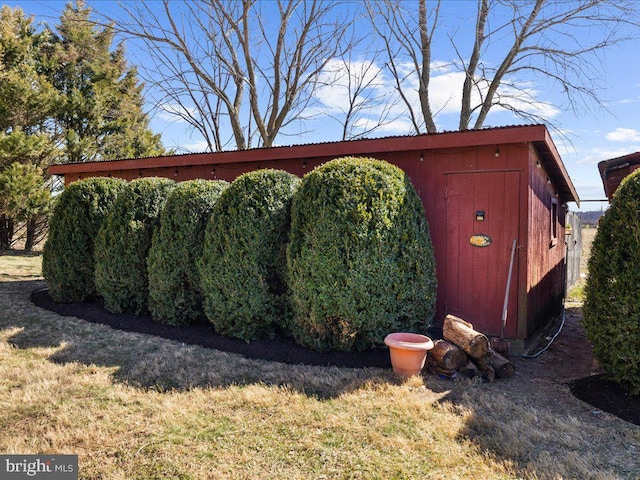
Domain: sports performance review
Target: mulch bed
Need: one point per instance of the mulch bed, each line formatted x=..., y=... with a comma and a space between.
x=606, y=395
x=597, y=390
x=280, y=349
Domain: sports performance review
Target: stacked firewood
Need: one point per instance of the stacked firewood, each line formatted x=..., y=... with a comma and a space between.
x=467, y=352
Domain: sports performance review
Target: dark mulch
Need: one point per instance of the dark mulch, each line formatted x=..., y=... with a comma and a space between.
x=606, y=395
x=596, y=390
x=278, y=349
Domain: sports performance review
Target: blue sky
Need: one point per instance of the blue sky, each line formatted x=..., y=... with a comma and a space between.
x=594, y=135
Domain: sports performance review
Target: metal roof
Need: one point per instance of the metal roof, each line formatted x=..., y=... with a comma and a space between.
x=538, y=135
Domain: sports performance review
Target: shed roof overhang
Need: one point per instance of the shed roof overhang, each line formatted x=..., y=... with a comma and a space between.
x=612, y=171
x=537, y=135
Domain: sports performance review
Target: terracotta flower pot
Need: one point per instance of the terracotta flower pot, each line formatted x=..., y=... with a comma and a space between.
x=408, y=352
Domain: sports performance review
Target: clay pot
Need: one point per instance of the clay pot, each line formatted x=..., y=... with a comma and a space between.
x=408, y=352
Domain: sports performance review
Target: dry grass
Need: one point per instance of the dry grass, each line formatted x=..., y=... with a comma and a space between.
x=138, y=407
x=18, y=265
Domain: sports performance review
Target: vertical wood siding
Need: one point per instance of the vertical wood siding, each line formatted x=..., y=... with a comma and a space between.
x=453, y=183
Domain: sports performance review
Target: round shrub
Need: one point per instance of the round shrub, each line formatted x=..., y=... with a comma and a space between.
x=244, y=258
x=360, y=259
x=68, y=260
x=174, y=296
x=123, y=243
x=612, y=293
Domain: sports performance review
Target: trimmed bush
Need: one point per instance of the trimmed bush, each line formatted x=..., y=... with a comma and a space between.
x=123, y=243
x=174, y=296
x=360, y=259
x=68, y=260
x=244, y=257
x=612, y=292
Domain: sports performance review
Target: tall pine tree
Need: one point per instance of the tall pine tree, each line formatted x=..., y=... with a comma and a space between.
x=28, y=103
x=65, y=96
x=101, y=116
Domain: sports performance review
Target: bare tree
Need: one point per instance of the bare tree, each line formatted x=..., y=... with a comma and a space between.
x=406, y=42
x=554, y=41
x=353, y=93
x=247, y=67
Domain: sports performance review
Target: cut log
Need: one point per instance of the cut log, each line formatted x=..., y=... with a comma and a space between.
x=462, y=334
x=447, y=355
x=484, y=365
x=503, y=367
x=470, y=370
x=500, y=345
x=490, y=374
x=434, y=367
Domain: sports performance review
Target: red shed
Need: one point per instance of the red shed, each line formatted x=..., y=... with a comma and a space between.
x=481, y=189
x=612, y=171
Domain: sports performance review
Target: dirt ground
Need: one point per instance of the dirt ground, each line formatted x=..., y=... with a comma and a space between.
x=570, y=356
x=569, y=360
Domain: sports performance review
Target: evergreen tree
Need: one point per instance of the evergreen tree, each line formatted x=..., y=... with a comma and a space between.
x=23, y=198
x=101, y=115
x=27, y=97
x=65, y=96
x=28, y=102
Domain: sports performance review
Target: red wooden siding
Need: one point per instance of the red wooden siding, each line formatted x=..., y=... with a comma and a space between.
x=545, y=255
x=493, y=196
x=456, y=174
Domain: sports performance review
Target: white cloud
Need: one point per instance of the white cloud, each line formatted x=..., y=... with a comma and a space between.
x=598, y=154
x=197, y=146
x=174, y=111
x=624, y=135
x=399, y=126
x=445, y=93
x=440, y=66
x=193, y=146
x=523, y=96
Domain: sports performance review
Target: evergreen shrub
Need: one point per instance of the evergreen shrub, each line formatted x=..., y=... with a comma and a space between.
x=360, y=258
x=68, y=259
x=243, y=263
x=612, y=293
x=123, y=243
x=174, y=296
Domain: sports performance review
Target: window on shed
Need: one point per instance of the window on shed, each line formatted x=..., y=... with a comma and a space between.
x=554, y=222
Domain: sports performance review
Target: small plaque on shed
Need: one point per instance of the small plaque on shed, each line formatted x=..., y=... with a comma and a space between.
x=480, y=240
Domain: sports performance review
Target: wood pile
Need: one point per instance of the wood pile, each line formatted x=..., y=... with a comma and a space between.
x=467, y=352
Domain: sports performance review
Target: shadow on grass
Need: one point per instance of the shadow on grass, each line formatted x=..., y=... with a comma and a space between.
x=149, y=361
x=19, y=253
x=534, y=423
x=511, y=421
x=544, y=434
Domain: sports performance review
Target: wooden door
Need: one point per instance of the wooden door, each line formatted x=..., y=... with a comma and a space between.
x=482, y=221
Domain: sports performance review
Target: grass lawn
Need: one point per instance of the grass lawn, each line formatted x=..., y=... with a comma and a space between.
x=137, y=407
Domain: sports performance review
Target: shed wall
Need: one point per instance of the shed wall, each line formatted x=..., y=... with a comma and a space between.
x=477, y=276
x=546, y=248
x=473, y=280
